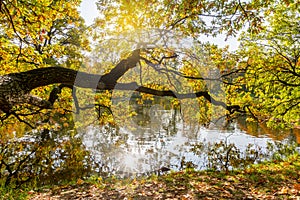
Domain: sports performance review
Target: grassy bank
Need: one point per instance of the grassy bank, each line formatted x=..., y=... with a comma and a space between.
x=269, y=180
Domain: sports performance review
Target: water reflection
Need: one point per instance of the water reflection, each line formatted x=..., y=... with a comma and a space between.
x=261, y=130
x=159, y=138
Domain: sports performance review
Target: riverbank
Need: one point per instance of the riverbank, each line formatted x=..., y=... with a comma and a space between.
x=270, y=180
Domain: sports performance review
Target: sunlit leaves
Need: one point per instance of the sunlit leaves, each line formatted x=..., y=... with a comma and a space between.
x=38, y=34
x=190, y=17
x=273, y=72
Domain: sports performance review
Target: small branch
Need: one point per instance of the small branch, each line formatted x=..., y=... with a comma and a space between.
x=165, y=70
x=8, y=15
x=21, y=120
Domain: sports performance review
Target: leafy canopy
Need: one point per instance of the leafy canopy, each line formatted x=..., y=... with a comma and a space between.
x=272, y=76
x=262, y=77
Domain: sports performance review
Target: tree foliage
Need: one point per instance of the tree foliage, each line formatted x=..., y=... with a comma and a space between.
x=152, y=47
x=37, y=34
x=272, y=70
x=262, y=77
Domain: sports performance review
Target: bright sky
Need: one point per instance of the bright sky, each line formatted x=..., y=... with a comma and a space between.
x=88, y=10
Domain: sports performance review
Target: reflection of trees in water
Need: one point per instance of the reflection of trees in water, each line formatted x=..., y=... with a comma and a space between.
x=161, y=140
x=141, y=146
x=155, y=119
x=140, y=150
x=111, y=150
x=156, y=137
x=154, y=113
x=51, y=160
x=101, y=143
x=260, y=129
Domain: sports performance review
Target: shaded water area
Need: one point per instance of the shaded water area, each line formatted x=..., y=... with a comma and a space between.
x=160, y=139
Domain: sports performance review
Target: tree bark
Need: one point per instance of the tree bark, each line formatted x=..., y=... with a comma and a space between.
x=15, y=87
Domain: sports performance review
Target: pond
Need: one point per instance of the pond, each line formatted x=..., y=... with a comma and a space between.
x=159, y=139
x=154, y=140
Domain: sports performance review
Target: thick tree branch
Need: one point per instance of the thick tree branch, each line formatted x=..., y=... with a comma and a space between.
x=15, y=87
x=205, y=94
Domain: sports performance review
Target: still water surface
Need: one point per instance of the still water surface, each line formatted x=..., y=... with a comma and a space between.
x=168, y=141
